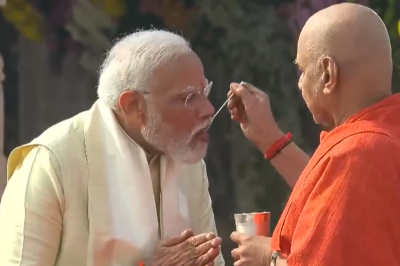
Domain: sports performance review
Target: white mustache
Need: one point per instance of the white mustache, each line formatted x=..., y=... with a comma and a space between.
x=205, y=125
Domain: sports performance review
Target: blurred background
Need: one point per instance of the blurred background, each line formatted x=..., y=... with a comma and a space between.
x=52, y=51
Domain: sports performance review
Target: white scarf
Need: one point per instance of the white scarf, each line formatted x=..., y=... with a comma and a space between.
x=134, y=232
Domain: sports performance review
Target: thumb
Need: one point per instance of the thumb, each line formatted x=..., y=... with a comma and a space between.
x=179, y=239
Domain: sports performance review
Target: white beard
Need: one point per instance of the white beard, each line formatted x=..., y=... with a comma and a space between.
x=180, y=147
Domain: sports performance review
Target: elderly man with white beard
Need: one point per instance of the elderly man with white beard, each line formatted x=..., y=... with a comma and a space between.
x=123, y=183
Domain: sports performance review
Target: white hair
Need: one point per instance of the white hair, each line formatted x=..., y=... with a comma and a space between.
x=130, y=63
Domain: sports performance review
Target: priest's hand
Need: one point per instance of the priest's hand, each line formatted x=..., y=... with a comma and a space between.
x=251, y=108
x=252, y=250
x=187, y=250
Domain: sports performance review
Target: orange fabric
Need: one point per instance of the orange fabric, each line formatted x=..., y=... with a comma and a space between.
x=345, y=207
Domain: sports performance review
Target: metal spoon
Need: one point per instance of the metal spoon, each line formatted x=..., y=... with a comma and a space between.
x=223, y=105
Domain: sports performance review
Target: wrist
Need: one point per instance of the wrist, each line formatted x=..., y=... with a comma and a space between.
x=267, y=258
x=275, y=258
x=280, y=261
x=267, y=141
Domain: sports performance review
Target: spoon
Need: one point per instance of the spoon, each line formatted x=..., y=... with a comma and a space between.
x=223, y=105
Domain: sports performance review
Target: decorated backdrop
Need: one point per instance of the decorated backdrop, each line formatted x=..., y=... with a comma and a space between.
x=52, y=51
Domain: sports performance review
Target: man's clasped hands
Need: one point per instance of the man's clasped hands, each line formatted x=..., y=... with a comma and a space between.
x=201, y=250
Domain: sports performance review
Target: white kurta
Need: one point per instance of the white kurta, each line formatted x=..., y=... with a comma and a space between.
x=63, y=206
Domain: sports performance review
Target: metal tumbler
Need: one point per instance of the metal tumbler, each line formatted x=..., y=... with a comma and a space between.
x=255, y=223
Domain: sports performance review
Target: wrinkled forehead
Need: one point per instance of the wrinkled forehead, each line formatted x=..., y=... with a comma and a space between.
x=182, y=74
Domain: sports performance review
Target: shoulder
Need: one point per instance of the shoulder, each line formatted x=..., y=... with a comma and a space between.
x=64, y=131
x=40, y=155
x=36, y=172
x=35, y=190
x=61, y=148
x=367, y=146
x=364, y=161
x=66, y=140
x=39, y=160
x=31, y=157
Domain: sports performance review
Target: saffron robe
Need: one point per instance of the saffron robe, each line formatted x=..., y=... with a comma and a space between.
x=61, y=208
x=345, y=207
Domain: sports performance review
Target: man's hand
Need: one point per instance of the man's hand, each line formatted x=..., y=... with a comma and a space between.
x=250, y=107
x=187, y=250
x=252, y=250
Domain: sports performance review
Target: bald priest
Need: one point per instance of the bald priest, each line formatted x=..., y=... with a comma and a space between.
x=124, y=182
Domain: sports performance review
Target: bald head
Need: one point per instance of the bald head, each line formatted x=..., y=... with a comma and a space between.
x=353, y=35
x=346, y=47
x=347, y=31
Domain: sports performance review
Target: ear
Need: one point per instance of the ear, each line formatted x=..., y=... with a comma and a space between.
x=132, y=103
x=329, y=74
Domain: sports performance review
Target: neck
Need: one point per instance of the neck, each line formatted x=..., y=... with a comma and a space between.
x=136, y=136
x=355, y=107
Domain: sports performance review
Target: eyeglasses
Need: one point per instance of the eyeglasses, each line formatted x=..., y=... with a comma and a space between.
x=194, y=98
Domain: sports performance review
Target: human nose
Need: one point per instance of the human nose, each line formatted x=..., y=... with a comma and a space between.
x=207, y=110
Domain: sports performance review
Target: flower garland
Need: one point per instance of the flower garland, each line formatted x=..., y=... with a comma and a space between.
x=23, y=16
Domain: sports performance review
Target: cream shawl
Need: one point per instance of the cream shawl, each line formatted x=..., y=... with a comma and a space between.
x=120, y=181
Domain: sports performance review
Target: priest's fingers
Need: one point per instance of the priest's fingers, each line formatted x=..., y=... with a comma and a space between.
x=237, y=237
x=237, y=111
x=235, y=254
x=242, y=92
x=251, y=88
x=200, y=239
x=234, y=101
x=235, y=114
